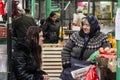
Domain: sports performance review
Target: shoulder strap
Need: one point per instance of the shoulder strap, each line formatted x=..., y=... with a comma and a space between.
x=82, y=51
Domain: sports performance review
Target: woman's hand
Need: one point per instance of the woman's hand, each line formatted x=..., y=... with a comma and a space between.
x=78, y=78
x=45, y=77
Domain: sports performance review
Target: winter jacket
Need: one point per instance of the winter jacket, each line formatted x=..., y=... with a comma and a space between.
x=75, y=44
x=21, y=24
x=51, y=32
x=24, y=65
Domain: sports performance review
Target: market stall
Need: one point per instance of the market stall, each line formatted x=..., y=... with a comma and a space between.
x=3, y=52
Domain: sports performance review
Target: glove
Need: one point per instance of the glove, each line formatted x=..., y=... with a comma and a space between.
x=94, y=56
x=66, y=65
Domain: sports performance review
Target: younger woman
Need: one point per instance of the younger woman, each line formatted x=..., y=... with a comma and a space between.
x=26, y=58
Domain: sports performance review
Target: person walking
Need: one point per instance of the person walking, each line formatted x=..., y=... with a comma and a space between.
x=26, y=57
x=51, y=29
x=81, y=45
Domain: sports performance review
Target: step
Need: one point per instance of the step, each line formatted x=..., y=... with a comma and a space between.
x=53, y=45
x=55, y=78
x=51, y=59
x=53, y=71
x=54, y=48
x=54, y=75
x=53, y=63
x=53, y=56
x=52, y=67
x=51, y=52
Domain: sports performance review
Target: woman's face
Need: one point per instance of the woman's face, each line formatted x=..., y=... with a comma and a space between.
x=86, y=27
x=41, y=39
x=54, y=18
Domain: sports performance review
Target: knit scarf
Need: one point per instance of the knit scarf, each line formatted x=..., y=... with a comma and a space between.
x=86, y=39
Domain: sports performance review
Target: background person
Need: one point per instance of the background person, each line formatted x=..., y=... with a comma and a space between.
x=81, y=45
x=26, y=58
x=77, y=17
x=22, y=23
x=51, y=29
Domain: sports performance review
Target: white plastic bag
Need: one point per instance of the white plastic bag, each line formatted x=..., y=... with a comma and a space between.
x=80, y=72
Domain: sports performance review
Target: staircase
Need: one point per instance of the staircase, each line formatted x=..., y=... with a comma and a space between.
x=51, y=60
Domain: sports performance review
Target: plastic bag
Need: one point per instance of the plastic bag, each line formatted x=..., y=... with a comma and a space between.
x=79, y=73
x=91, y=74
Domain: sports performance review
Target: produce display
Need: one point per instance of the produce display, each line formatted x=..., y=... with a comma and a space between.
x=107, y=61
x=107, y=52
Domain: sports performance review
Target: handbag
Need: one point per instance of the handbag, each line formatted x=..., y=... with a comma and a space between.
x=75, y=64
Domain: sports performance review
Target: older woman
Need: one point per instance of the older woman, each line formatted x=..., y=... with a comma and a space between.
x=81, y=45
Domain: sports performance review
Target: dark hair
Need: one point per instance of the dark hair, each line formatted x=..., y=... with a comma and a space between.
x=52, y=14
x=42, y=21
x=33, y=38
x=27, y=11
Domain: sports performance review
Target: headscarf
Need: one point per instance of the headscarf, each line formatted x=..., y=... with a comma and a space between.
x=94, y=26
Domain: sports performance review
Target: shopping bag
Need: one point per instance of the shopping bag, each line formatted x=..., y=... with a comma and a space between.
x=91, y=74
x=80, y=72
x=75, y=65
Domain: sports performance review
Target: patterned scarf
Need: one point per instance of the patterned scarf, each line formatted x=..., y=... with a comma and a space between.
x=86, y=39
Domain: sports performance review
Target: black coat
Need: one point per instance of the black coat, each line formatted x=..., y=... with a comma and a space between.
x=51, y=32
x=24, y=65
